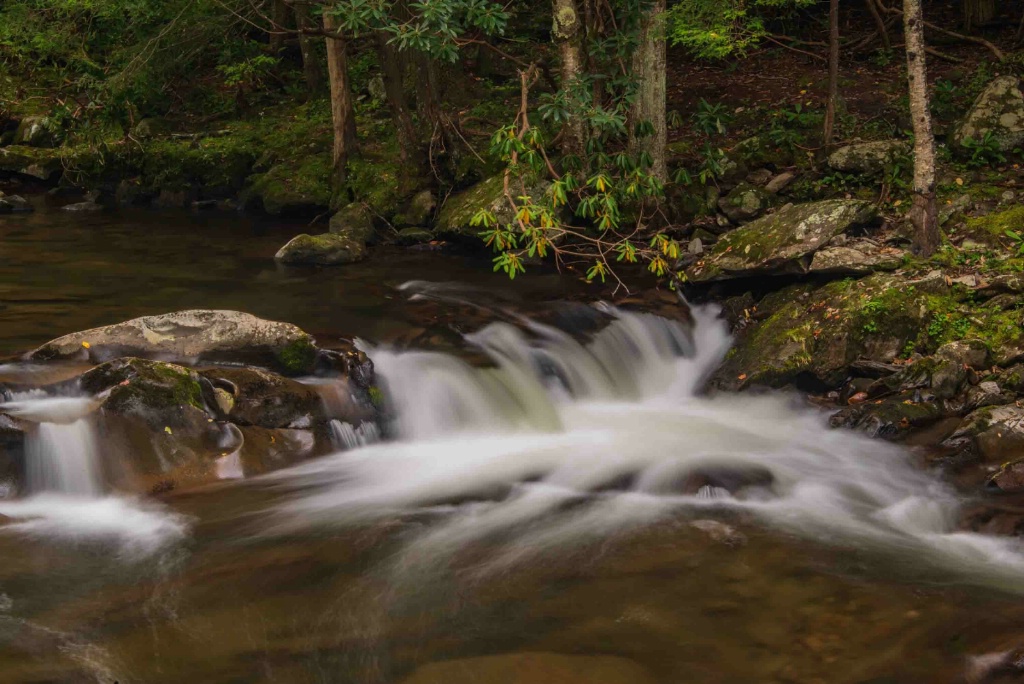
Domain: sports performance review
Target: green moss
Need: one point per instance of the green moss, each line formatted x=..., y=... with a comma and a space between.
x=376, y=395
x=298, y=357
x=991, y=228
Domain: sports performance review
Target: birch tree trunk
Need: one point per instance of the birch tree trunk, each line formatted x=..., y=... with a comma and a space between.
x=567, y=32
x=342, y=112
x=649, y=66
x=923, y=214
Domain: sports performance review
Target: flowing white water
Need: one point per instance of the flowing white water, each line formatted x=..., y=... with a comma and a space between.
x=67, y=496
x=562, y=441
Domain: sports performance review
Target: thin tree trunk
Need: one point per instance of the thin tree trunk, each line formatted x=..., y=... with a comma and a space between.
x=342, y=112
x=880, y=26
x=391, y=68
x=310, y=65
x=649, y=66
x=279, y=13
x=833, y=72
x=426, y=98
x=978, y=13
x=567, y=31
x=923, y=214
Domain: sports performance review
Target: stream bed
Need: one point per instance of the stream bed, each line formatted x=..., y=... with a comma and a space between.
x=568, y=510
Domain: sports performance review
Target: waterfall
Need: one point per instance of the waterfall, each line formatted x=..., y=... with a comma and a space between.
x=64, y=458
x=562, y=438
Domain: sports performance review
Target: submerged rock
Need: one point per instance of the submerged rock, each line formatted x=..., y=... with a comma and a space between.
x=328, y=249
x=867, y=158
x=197, y=335
x=783, y=242
x=532, y=668
x=82, y=207
x=998, y=113
x=14, y=203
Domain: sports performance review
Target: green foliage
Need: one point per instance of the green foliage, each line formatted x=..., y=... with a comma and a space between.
x=711, y=119
x=983, y=152
x=716, y=29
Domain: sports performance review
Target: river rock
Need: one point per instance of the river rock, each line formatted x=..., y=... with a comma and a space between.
x=892, y=419
x=327, y=249
x=532, y=668
x=1010, y=477
x=996, y=432
x=418, y=211
x=414, y=236
x=869, y=158
x=161, y=394
x=783, y=242
x=12, y=455
x=14, y=203
x=812, y=336
x=280, y=191
x=780, y=182
x=192, y=336
x=353, y=221
x=43, y=164
x=265, y=399
x=458, y=211
x=79, y=207
x=744, y=203
x=856, y=257
x=999, y=111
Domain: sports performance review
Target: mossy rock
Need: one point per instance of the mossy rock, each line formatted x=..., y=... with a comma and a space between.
x=328, y=249
x=783, y=242
x=457, y=213
x=162, y=394
x=353, y=221
x=42, y=163
x=744, y=203
x=265, y=399
x=997, y=112
x=869, y=158
x=990, y=229
x=37, y=131
x=418, y=210
x=294, y=188
x=892, y=419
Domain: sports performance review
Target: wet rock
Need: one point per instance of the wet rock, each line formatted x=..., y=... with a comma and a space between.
x=532, y=668
x=720, y=532
x=995, y=432
x=43, y=164
x=780, y=182
x=457, y=212
x=994, y=668
x=265, y=399
x=163, y=395
x=986, y=394
x=418, y=211
x=12, y=455
x=14, y=203
x=744, y=203
x=414, y=236
x=993, y=518
x=724, y=478
x=945, y=377
x=193, y=336
x=970, y=353
x=328, y=249
x=811, y=336
x=868, y=158
x=856, y=257
x=783, y=242
x=1010, y=477
x=353, y=221
x=86, y=206
x=890, y=419
x=997, y=112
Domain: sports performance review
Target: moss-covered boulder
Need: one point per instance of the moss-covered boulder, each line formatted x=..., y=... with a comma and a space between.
x=893, y=418
x=458, y=211
x=783, y=242
x=418, y=210
x=812, y=335
x=14, y=204
x=36, y=131
x=328, y=249
x=869, y=158
x=744, y=203
x=353, y=221
x=995, y=432
x=192, y=336
x=998, y=113
x=265, y=399
x=160, y=394
x=856, y=257
x=36, y=162
x=293, y=188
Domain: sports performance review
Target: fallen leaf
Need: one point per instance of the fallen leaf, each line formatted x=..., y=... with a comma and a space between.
x=857, y=398
x=741, y=376
x=86, y=345
x=959, y=181
x=168, y=430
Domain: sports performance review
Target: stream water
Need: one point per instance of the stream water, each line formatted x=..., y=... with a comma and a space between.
x=550, y=507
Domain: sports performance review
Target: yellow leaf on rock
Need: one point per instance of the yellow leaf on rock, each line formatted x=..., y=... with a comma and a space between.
x=86, y=345
x=168, y=430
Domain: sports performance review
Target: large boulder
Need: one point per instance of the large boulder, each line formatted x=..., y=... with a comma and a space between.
x=812, y=336
x=163, y=395
x=418, y=210
x=868, y=158
x=194, y=336
x=289, y=189
x=744, y=203
x=999, y=111
x=856, y=257
x=995, y=432
x=327, y=249
x=353, y=221
x=783, y=242
x=35, y=162
x=36, y=131
x=457, y=213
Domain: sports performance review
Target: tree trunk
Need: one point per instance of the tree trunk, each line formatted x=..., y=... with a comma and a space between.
x=567, y=32
x=342, y=112
x=279, y=13
x=394, y=91
x=923, y=214
x=649, y=67
x=978, y=13
x=426, y=98
x=879, y=23
x=310, y=65
x=833, y=72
